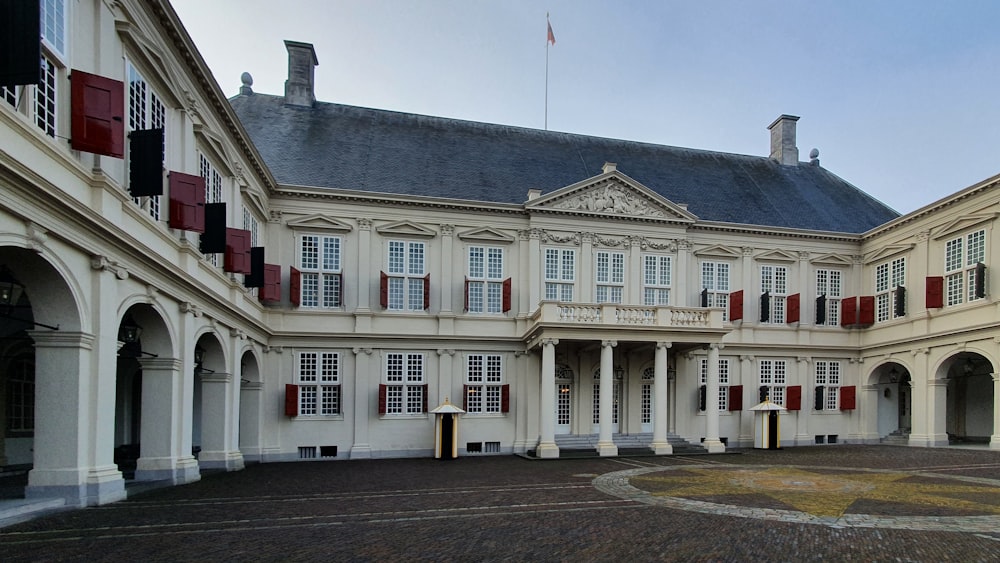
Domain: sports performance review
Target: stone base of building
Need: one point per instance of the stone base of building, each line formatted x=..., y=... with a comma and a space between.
x=101, y=486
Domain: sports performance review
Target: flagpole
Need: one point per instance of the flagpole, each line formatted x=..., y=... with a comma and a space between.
x=547, y=73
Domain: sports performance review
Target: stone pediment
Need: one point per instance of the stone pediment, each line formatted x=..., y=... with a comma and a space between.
x=718, y=251
x=612, y=195
x=776, y=256
x=405, y=229
x=486, y=234
x=319, y=222
x=888, y=251
x=962, y=223
x=832, y=260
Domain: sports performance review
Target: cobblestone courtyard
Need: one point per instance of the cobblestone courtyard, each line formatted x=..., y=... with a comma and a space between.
x=844, y=503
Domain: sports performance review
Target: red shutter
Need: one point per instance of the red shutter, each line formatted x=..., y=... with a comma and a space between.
x=187, y=202
x=427, y=294
x=381, y=398
x=507, y=284
x=793, y=398
x=465, y=397
x=866, y=313
x=736, y=306
x=294, y=286
x=383, y=290
x=237, y=257
x=425, y=397
x=794, y=306
x=849, y=312
x=291, y=400
x=935, y=292
x=735, y=397
x=505, y=398
x=848, y=397
x=466, y=294
x=97, y=122
x=272, y=283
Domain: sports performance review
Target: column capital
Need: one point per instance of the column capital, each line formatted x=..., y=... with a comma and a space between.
x=996, y=377
x=609, y=343
x=163, y=364
x=186, y=307
x=358, y=351
x=803, y=359
x=664, y=344
x=445, y=352
x=364, y=224
x=747, y=358
x=716, y=346
x=447, y=230
x=275, y=349
x=552, y=341
x=61, y=339
x=104, y=264
x=217, y=377
x=937, y=383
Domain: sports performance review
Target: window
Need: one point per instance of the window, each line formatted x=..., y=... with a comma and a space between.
x=405, y=392
x=21, y=396
x=773, y=378
x=616, y=391
x=774, y=282
x=961, y=255
x=829, y=284
x=610, y=276
x=483, y=389
x=827, y=374
x=723, y=398
x=646, y=407
x=560, y=274
x=715, y=282
x=213, y=191
x=656, y=280
x=40, y=102
x=53, y=25
x=322, y=280
x=485, y=285
x=405, y=276
x=888, y=277
x=319, y=383
x=145, y=111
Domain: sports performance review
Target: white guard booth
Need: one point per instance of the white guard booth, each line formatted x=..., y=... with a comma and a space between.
x=446, y=430
x=766, y=433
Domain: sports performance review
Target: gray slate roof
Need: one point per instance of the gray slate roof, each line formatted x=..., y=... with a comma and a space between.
x=348, y=147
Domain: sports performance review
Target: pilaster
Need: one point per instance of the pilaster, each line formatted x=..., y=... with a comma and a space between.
x=362, y=449
x=712, y=442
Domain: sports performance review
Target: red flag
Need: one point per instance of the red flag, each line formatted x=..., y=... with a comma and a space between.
x=552, y=36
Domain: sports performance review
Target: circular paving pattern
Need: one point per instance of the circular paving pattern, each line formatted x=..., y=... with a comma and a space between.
x=829, y=496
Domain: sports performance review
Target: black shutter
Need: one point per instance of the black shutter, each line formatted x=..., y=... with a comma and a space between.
x=704, y=298
x=818, y=399
x=899, y=306
x=20, y=46
x=821, y=310
x=980, y=280
x=256, y=276
x=213, y=240
x=145, y=163
x=764, y=391
x=702, y=393
x=765, y=306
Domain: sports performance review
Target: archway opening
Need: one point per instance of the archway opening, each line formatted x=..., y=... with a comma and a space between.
x=895, y=402
x=969, y=417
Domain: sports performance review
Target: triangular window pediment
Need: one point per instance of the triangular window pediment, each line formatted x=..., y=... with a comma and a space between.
x=405, y=229
x=319, y=222
x=718, y=251
x=832, y=260
x=888, y=252
x=776, y=256
x=486, y=234
x=963, y=223
x=613, y=194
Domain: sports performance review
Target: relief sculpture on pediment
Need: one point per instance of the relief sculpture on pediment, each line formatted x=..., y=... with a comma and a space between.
x=611, y=198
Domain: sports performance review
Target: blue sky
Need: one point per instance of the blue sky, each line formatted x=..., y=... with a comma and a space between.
x=900, y=97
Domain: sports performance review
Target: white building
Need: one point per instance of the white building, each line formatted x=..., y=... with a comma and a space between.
x=562, y=300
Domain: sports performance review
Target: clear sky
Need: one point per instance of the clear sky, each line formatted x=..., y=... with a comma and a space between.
x=901, y=97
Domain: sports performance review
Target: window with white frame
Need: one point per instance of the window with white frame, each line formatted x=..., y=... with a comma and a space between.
x=320, y=264
x=715, y=282
x=723, y=397
x=960, y=258
x=213, y=190
x=616, y=391
x=405, y=388
x=773, y=375
x=406, y=272
x=483, y=383
x=774, y=281
x=20, y=396
x=318, y=378
x=888, y=278
x=646, y=406
x=829, y=284
x=145, y=111
x=827, y=374
x=485, y=284
x=610, y=276
x=560, y=273
x=656, y=271
x=40, y=102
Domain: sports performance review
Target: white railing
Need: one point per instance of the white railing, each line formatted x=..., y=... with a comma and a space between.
x=628, y=315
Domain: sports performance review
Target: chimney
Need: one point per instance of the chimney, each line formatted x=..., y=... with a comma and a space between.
x=302, y=63
x=783, y=147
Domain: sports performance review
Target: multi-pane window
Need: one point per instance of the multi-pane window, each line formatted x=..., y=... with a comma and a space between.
x=646, y=407
x=774, y=282
x=21, y=395
x=319, y=261
x=46, y=96
x=827, y=374
x=483, y=379
x=40, y=102
x=560, y=274
x=960, y=258
x=319, y=383
x=616, y=386
x=715, y=282
x=53, y=25
x=145, y=111
x=610, y=276
x=773, y=376
x=723, y=398
x=406, y=274
x=404, y=376
x=829, y=283
x=655, y=280
x=485, y=280
x=888, y=278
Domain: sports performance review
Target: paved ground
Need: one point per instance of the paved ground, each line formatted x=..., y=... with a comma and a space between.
x=843, y=503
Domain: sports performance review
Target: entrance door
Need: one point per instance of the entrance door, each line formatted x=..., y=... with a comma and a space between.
x=564, y=402
x=615, y=404
x=647, y=407
x=905, y=401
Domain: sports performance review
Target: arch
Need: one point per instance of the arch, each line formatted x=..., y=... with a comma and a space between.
x=967, y=374
x=54, y=296
x=891, y=403
x=216, y=353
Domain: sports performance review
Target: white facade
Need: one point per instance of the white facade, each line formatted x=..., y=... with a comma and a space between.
x=600, y=330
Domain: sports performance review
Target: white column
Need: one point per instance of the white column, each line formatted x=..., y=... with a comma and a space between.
x=547, y=403
x=250, y=420
x=802, y=377
x=159, y=435
x=660, y=445
x=937, y=401
x=605, y=443
x=995, y=438
x=216, y=418
x=712, y=442
x=748, y=379
x=869, y=414
x=920, y=419
x=361, y=449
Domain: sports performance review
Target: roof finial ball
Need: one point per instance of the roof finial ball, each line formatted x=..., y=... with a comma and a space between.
x=814, y=157
x=247, y=81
